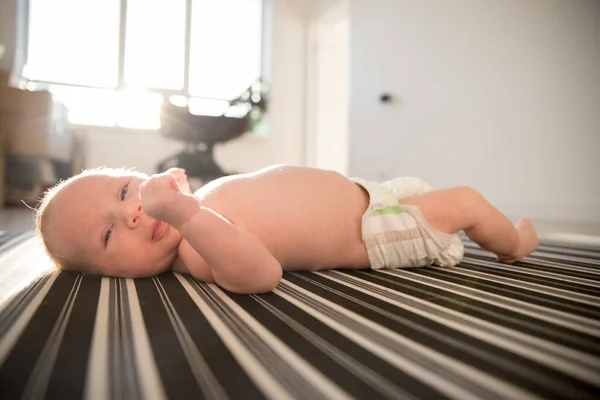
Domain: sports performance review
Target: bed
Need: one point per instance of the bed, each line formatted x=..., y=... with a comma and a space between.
x=478, y=330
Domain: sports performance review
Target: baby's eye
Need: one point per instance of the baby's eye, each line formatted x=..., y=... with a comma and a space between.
x=124, y=192
x=108, y=233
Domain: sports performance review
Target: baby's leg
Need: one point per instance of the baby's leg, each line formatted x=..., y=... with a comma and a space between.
x=462, y=208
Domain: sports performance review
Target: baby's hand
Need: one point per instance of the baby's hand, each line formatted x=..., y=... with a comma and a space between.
x=163, y=199
x=181, y=178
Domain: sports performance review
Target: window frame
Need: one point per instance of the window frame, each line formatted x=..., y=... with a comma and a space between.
x=265, y=56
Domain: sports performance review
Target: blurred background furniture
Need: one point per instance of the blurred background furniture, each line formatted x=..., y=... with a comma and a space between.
x=39, y=147
x=200, y=133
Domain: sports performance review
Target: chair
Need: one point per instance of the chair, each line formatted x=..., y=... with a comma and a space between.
x=200, y=133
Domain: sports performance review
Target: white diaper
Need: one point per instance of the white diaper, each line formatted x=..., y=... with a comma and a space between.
x=397, y=235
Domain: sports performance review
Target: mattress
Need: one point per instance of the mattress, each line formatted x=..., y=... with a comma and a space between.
x=478, y=330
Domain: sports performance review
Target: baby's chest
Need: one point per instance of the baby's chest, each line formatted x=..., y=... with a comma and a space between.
x=287, y=217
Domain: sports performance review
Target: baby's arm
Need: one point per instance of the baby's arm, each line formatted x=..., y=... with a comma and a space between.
x=188, y=261
x=238, y=262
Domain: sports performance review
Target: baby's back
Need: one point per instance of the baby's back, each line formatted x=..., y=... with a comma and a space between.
x=307, y=218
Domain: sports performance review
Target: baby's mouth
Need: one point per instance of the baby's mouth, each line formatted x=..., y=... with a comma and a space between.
x=159, y=228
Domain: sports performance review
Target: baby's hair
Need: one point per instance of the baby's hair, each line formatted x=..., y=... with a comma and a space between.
x=60, y=261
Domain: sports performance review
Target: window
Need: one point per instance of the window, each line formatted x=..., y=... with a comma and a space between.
x=113, y=62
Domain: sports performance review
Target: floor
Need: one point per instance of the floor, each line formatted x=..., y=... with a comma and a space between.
x=478, y=330
x=16, y=220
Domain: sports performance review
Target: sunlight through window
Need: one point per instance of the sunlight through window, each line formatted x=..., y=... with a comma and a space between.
x=228, y=34
x=74, y=50
x=199, y=106
x=88, y=106
x=74, y=42
x=139, y=109
x=155, y=43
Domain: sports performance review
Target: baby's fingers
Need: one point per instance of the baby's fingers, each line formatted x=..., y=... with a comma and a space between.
x=177, y=173
x=162, y=182
x=175, y=170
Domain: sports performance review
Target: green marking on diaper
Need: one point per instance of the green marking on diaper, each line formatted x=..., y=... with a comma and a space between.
x=388, y=210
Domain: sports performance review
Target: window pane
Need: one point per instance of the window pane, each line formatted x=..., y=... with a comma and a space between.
x=207, y=107
x=225, y=47
x=139, y=109
x=154, y=51
x=74, y=41
x=88, y=106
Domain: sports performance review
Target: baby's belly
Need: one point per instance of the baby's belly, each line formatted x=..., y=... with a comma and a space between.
x=324, y=250
x=310, y=240
x=308, y=219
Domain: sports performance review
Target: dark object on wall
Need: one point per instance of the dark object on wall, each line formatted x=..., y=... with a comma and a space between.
x=200, y=133
x=385, y=98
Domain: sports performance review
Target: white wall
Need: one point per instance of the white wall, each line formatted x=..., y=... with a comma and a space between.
x=503, y=96
x=327, y=81
x=12, y=35
x=8, y=15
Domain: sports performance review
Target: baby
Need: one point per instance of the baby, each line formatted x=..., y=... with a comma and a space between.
x=242, y=231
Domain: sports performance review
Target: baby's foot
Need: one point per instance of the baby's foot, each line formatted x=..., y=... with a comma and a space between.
x=528, y=241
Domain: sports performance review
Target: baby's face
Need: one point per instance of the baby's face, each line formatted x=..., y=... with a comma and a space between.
x=98, y=220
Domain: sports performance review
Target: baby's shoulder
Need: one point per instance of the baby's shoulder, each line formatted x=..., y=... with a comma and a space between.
x=266, y=185
x=220, y=185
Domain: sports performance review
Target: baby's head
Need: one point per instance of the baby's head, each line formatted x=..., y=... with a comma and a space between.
x=94, y=223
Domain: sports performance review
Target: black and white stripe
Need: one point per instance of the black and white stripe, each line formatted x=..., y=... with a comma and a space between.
x=479, y=330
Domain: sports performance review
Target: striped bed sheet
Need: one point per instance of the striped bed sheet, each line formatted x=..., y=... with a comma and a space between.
x=481, y=330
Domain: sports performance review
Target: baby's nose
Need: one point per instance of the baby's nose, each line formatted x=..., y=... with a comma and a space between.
x=133, y=218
